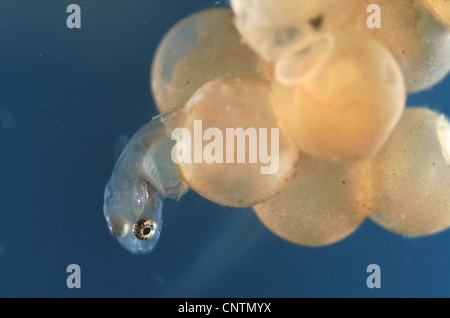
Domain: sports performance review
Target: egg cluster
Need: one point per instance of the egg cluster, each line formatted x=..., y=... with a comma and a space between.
x=331, y=79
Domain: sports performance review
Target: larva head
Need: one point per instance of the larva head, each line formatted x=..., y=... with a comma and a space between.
x=133, y=215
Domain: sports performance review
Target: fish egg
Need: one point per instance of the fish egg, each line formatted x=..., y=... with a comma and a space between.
x=440, y=9
x=233, y=152
x=411, y=176
x=197, y=49
x=347, y=107
x=419, y=42
x=274, y=28
x=323, y=203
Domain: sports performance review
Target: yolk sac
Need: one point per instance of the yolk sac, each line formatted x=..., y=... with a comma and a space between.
x=274, y=28
x=411, y=175
x=348, y=107
x=419, y=42
x=323, y=203
x=196, y=50
x=231, y=150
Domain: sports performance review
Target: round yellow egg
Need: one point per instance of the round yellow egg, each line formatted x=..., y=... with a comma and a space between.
x=419, y=42
x=345, y=100
x=323, y=203
x=411, y=175
x=440, y=9
x=197, y=49
x=229, y=147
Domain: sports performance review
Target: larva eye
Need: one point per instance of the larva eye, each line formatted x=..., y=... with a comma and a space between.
x=144, y=229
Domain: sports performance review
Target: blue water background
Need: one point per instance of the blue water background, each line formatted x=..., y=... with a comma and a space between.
x=66, y=95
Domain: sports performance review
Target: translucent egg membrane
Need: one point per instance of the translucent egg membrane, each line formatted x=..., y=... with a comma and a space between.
x=419, y=42
x=411, y=175
x=346, y=99
x=440, y=9
x=197, y=49
x=240, y=169
x=323, y=203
